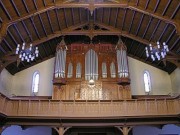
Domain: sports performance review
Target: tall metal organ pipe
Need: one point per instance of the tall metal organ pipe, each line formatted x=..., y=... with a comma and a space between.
x=122, y=61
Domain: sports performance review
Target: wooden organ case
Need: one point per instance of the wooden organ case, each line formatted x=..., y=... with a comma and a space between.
x=91, y=72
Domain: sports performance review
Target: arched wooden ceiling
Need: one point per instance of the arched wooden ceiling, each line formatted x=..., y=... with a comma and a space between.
x=42, y=22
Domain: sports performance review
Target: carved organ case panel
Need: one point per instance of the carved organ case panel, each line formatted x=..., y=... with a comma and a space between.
x=91, y=73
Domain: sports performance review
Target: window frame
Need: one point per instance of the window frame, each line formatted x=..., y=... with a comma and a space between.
x=33, y=83
x=149, y=82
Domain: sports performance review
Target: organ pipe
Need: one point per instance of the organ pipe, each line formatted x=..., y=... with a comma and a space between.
x=122, y=61
x=60, y=62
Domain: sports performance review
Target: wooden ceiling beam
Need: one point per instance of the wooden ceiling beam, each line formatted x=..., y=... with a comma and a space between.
x=91, y=7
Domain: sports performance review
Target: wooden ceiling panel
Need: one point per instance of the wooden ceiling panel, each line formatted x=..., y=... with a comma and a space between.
x=30, y=5
x=68, y=16
x=48, y=1
x=114, y=12
x=174, y=6
x=5, y=47
x=99, y=14
x=84, y=15
x=135, y=23
x=131, y=22
x=45, y=23
x=162, y=6
x=20, y=7
x=31, y=29
x=8, y=8
x=152, y=4
x=151, y=29
x=159, y=31
x=76, y=15
x=167, y=34
x=120, y=18
x=142, y=3
x=21, y=32
x=3, y=14
x=53, y=20
x=40, y=3
x=173, y=43
x=14, y=34
x=106, y=15
x=39, y=26
x=10, y=41
x=62, y=18
x=128, y=19
x=143, y=26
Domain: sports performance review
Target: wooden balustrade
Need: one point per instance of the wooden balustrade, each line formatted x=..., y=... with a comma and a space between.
x=82, y=108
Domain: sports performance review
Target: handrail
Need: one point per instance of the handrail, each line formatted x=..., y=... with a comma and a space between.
x=89, y=108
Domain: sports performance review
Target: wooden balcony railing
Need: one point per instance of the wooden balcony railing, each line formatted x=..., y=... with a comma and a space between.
x=81, y=108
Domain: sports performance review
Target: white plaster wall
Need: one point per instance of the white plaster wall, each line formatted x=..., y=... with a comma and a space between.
x=22, y=81
x=175, y=81
x=160, y=80
x=5, y=82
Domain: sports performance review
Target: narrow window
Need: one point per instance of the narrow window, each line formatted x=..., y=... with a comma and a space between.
x=104, y=70
x=113, y=70
x=78, y=70
x=70, y=70
x=35, y=83
x=147, y=82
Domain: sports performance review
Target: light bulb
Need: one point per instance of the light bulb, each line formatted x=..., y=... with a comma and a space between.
x=20, y=55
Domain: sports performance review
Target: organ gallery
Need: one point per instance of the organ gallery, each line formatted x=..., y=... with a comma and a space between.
x=91, y=72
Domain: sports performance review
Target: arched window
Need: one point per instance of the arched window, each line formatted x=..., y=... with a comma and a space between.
x=70, y=70
x=35, y=83
x=78, y=70
x=113, y=70
x=147, y=82
x=104, y=70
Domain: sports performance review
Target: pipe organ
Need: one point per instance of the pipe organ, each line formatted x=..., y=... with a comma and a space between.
x=91, y=72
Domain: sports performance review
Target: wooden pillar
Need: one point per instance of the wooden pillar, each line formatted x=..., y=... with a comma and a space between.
x=1, y=130
x=125, y=130
x=61, y=130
